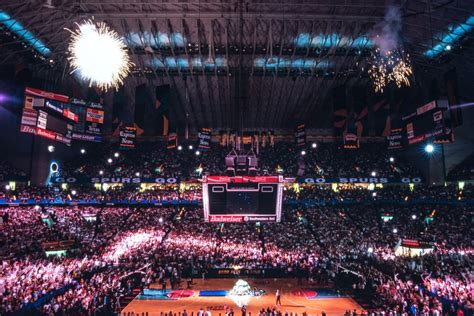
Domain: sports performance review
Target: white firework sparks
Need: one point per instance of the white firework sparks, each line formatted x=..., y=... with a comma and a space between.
x=391, y=66
x=99, y=55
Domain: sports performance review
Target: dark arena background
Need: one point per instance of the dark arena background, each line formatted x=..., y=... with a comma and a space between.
x=222, y=158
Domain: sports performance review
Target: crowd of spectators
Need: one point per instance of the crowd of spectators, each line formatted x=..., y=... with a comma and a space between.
x=327, y=160
x=8, y=171
x=345, y=235
x=124, y=247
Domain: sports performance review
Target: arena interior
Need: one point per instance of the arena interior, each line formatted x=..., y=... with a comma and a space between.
x=231, y=157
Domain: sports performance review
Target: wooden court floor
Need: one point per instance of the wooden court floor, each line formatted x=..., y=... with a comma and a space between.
x=290, y=302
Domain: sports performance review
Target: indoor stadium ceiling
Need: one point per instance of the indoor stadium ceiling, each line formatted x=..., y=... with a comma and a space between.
x=273, y=62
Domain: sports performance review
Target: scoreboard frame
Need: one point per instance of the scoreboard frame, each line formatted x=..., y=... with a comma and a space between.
x=242, y=218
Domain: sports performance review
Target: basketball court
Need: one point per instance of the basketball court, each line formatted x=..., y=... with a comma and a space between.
x=215, y=295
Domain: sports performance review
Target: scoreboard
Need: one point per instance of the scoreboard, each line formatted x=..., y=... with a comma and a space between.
x=48, y=122
x=242, y=199
x=45, y=115
x=427, y=121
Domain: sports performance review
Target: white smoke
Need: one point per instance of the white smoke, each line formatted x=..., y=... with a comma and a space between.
x=385, y=34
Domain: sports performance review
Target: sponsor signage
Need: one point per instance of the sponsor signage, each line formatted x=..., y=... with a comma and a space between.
x=360, y=180
x=56, y=109
x=242, y=179
x=300, y=135
x=241, y=218
x=123, y=180
x=395, y=139
x=45, y=133
x=128, y=136
x=91, y=118
x=94, y=116
x=89, y=138
x=204, y=137
x=47, y=95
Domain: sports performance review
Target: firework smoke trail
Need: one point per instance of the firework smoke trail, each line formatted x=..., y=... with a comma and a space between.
x=388, y=62
x=385, y=34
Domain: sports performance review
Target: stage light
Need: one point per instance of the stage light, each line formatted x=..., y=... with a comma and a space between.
x=73, y=192
x=7, y=187
x=190, y=147
x=101, y=172
x=109, y=160
x=374, y=194
x=51, y=148
x=180, y=147
x=395, y=230
x=392, y=159
x=99, y=55
x=462, y=252
x=413, y=216
x=314, y=145
x=116, y=155
x=429, y=148
x=83, y=151
x=370, y=250
x=373, y=173
x=448, y=47
x=137, y=174
x=198, y=152
x=303, y=152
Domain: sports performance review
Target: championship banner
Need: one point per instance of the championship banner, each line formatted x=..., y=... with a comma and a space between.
x=128, y=136
x=271, y=136
x=172, y=141
x=365, y=180
x=123, y=180
x=162, y=106
x=395, y=139
x=204, y=137
x=224, y=138
x=351, y=141
x=247, y=138
x=300, y=135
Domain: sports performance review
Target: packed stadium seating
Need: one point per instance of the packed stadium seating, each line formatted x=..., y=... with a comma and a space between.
x=346, y=236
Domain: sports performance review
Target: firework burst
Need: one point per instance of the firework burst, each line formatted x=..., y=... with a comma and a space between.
x=391, y=66
x=98, y=55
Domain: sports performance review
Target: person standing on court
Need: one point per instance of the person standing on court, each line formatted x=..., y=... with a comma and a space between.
x=278, y=297
x=244, y=310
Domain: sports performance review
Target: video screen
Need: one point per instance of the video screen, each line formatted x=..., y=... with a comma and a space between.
x=260, y=200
